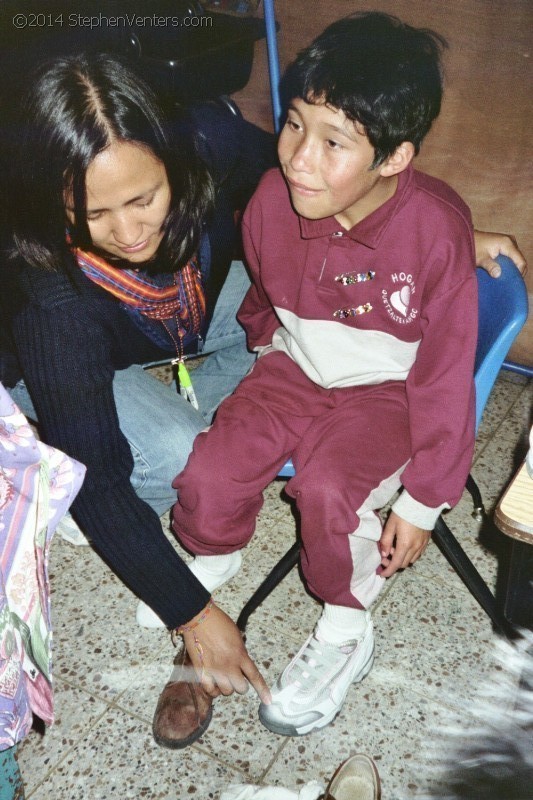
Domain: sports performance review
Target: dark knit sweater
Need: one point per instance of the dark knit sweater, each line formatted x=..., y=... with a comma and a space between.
x=67, y=338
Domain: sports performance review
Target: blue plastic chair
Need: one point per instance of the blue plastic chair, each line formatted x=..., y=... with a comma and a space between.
x=503, y=310
x=273, y=60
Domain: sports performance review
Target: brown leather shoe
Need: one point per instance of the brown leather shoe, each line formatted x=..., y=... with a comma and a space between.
x=183, y=710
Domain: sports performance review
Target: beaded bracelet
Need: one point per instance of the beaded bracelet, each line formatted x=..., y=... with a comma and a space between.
x=193, y=625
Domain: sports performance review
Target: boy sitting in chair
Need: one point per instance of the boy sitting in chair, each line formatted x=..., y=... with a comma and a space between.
x=363, y=311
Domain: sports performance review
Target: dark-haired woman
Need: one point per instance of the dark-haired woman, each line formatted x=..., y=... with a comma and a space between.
x=119, y=244
x=119, y=252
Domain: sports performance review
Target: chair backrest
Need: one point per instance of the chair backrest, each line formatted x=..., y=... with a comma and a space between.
x=503, y=311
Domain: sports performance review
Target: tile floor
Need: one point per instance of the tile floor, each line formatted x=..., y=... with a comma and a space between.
x=434, y=649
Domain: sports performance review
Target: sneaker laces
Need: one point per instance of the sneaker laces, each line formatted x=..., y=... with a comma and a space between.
x=318, y=660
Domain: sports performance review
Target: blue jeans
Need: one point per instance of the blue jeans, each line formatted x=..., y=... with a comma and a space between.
x=158, y=423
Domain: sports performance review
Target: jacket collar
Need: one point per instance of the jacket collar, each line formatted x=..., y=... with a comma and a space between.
x=371, y=229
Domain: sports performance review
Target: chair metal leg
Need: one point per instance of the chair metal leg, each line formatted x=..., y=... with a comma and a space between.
x=473, y=488
x=446, y=542
x=473, y=581
x=282, y=568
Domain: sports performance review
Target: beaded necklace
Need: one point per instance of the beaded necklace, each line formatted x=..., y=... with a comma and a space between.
x=179, y=306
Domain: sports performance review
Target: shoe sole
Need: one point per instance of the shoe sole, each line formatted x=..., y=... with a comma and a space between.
x=293, y=730
x=179, y=744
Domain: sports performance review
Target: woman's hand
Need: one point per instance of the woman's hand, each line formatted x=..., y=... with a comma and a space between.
x=220, y=658
x=489, y=245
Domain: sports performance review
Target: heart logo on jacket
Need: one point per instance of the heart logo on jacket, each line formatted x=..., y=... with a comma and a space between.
x=400, y=300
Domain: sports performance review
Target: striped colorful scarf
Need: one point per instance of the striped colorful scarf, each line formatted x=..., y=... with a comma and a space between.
x=183, y=301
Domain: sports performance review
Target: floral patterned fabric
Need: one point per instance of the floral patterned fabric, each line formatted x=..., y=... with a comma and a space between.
x=37, y=485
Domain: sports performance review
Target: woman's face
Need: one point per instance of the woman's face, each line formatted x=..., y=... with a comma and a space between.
x=128, y=199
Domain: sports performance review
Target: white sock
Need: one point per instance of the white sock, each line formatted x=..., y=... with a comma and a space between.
x=217, y=565
x=339, y=624
x=214, y=571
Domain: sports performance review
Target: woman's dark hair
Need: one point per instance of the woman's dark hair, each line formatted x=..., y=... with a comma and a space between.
x=379, y=71
x=77, y=107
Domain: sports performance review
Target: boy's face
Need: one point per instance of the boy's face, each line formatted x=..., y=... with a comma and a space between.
x=326, y=159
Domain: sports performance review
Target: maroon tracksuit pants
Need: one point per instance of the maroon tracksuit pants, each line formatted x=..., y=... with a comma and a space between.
x=349, y=447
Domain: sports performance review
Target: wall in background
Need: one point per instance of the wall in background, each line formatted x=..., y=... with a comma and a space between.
x=481, y=143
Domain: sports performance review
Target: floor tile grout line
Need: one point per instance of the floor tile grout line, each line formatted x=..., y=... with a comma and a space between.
x=91, y=693
x=502, y=421
x=428, y=693
x=110, y=706
x=458, y=708
x=96, y=721
x=276, y=755
x=135, y=716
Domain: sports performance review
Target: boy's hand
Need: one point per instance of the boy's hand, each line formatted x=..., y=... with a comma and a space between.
x=401, y=544
x=490, y=245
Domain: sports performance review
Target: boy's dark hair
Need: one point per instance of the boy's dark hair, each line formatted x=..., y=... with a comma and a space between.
x=379, y=71
x=76, y=107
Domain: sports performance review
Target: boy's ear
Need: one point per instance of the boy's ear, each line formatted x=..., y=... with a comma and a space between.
x=399, y=160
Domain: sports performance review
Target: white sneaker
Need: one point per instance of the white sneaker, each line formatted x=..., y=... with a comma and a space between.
x=311, y=689
x=147, y=618
x=69, y=531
